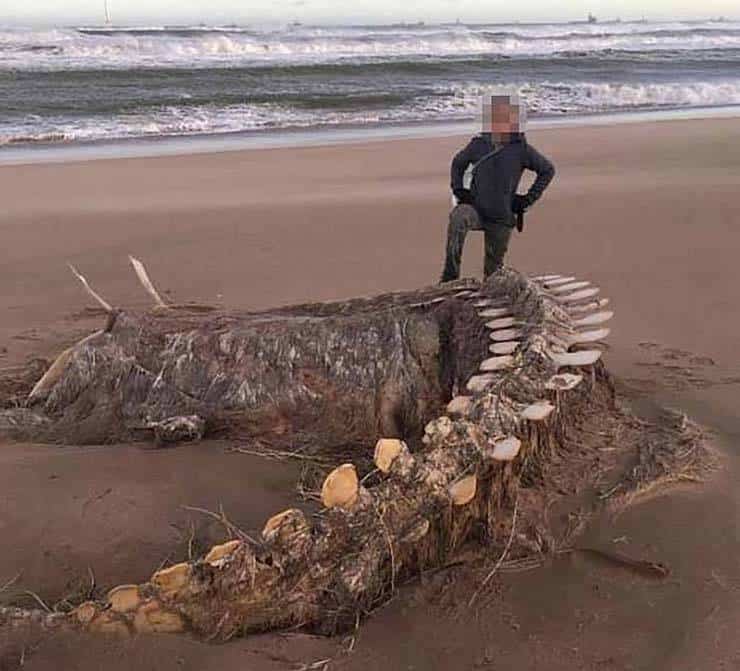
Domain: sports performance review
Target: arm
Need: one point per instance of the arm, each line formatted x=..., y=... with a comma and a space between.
x=460, y=162
x=545, y=170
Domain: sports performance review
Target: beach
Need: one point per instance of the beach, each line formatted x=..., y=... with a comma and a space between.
x=647, y=211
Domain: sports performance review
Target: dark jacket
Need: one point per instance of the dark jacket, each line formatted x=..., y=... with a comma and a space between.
x=494, y=186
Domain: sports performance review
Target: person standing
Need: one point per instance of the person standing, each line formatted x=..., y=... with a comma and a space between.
x=498, y=156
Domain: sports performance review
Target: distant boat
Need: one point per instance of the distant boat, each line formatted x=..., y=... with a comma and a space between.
x=592, y=18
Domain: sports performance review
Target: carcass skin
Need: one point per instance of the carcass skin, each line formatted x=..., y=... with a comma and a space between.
x=484, y=440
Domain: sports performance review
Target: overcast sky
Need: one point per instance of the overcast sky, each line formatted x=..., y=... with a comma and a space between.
x=335, y=11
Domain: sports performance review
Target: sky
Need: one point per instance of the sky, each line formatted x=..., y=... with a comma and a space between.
x=44, y=12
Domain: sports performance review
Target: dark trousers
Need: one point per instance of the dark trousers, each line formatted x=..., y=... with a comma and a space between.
x=464, y=218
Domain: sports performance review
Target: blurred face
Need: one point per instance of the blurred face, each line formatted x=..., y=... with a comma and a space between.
x=504, y=118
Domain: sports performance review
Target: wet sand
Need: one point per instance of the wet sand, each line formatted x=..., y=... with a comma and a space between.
x=649, y=212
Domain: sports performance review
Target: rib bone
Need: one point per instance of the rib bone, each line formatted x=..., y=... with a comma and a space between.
x=98, y=299
x=583, y=358
x=505, y=334
x=571, y=286
x=560, y=281
x=584, y=337
x=592, y=320
x=502, y=323
x=578, y=295
x=146, y=282
x=496, y=363
x=507, y=347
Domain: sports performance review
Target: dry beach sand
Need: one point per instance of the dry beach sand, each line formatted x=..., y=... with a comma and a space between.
x=650, y=212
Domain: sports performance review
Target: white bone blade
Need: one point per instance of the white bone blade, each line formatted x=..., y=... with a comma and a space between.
x=478, y=383
x=538, y=411
x=146, y=282
x=502, y=323
x=585, y=337
x=571, y=286
x=463, y=294
x=578, y=295
x=496, y=363
x=587, y=307
x=596, y=318
x=491, y=313
x=564, y=381
x=585, y=357
x=505, y=334
x=545, y=278
x=98, y=299
x=560, y=281
x=506, y=449
x=486, y=303
x=507, y=347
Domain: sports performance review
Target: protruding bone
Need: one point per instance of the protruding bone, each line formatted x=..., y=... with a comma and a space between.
x=386, y=451
x=506, y=347
x=587, y=307
x=146, y=282
x=578, y=295
x=570, y=286
x=538, y=411
x=502, y=323
x=124, y=598
x=507, y=449
x=460, y=406
x=54, y=373
x=497, y=363
x=172, y=579
x=491, y=313
x=545, y=278
x=558, y=282
x=585, y=357
x=464, y=294
x=478, y=383
x=564, y=381
x=487, y=302
x=506, y=334
x=594, y=319
x=583, y=337
x=463, y=491
x=341, y=487
x=98, y=299
x=219, y=552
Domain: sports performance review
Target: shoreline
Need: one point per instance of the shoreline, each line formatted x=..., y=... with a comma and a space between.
x=183, y=145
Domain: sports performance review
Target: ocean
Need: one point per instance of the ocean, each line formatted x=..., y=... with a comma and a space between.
x=72, y=85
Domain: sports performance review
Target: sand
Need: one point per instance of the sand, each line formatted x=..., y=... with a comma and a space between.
x=649, y=212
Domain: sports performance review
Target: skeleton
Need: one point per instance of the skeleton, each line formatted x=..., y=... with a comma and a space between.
x=459, y=438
